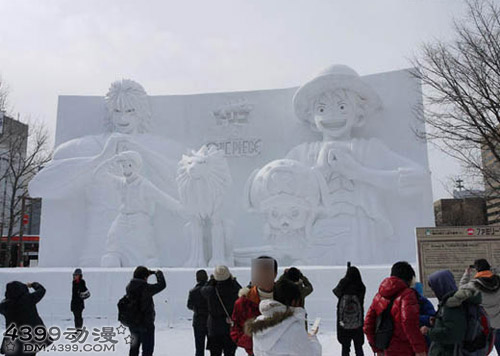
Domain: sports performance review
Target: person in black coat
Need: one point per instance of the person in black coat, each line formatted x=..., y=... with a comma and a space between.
x=220, y=292
x=19, y=309
x=350, y=311
x=78, y=295
x=198, y=304
x=140, y=291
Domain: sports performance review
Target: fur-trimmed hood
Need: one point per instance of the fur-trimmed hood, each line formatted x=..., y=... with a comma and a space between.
x=488, y=284
x=276, y=314
x=276, y=319
x=243, y=292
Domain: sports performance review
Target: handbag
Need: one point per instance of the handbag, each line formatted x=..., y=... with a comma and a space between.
x=229, y=320
x=85, y=294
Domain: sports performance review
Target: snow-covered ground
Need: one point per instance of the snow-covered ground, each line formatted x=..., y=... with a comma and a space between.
x=107, y=286
x=170, y=341
x=174, y=334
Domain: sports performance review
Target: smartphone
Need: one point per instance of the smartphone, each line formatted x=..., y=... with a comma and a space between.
x=315, y=327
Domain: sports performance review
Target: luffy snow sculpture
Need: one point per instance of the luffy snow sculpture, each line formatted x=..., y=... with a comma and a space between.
x=358, y=171
x=202, y=179
x=131, y=238
x=290, y=195
x=69, y=176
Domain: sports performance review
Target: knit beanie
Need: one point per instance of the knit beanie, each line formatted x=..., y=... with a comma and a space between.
x=482, y=265
x=141, y=272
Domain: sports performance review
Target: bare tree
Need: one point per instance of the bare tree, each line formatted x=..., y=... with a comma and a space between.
x=461, y=82
x=24, y=151
x=4, y=93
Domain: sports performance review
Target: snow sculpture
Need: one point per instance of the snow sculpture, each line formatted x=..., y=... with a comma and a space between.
x=358, y=171
x=131, y=238
x=290, y=195
x=69, y=177
x=203, y=178
x=360, y=176
x=365, y=203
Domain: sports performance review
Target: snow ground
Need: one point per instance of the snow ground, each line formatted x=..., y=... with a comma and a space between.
x=170, y=341
x=107, y=286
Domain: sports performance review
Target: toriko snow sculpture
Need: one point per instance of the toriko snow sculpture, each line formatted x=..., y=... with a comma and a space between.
x=203, y=178
x=69, y=176
x=290, y=194
x=358, y=171
x=131, y=238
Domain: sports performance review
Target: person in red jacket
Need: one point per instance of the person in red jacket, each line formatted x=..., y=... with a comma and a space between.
x=264, y=272
x=407, y=340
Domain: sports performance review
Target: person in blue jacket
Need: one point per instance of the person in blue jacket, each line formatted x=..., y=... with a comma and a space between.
x=427, y=310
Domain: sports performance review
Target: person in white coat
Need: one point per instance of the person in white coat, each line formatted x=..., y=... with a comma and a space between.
x=280, y=330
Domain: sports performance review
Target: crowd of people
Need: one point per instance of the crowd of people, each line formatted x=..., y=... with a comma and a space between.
x=268, y=317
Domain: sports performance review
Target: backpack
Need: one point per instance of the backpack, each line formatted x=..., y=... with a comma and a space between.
x=384, y=328
x=478, y=336
x=129, y=311
x=350, y=312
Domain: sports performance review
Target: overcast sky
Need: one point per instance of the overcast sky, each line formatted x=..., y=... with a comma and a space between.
x=50, y=47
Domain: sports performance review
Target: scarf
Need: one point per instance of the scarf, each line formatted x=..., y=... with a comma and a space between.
x=264, y=295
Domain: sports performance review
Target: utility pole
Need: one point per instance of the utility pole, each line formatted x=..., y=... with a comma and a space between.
x=4, y=198
x=20, y=259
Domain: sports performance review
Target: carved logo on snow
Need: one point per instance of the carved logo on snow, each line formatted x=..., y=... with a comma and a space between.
x=238, y=147
x=230, y=137
x=233, y=113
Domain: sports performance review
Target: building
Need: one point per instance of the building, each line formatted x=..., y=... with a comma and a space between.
x=25, y=226
x=491, y=173
x=13, y=134
x=460, y=212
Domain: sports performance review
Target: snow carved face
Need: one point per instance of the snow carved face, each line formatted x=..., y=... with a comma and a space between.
x=129, y=167
x=197, y=166
x=336, y=113
x=128, y=108
x=124, y=119
x=286, y=218
x=288, y=193
x=127, y=164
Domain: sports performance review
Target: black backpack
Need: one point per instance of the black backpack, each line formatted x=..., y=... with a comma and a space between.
x=129, y=311
x=350, y=312
x=478, y=333
x=384, y=328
